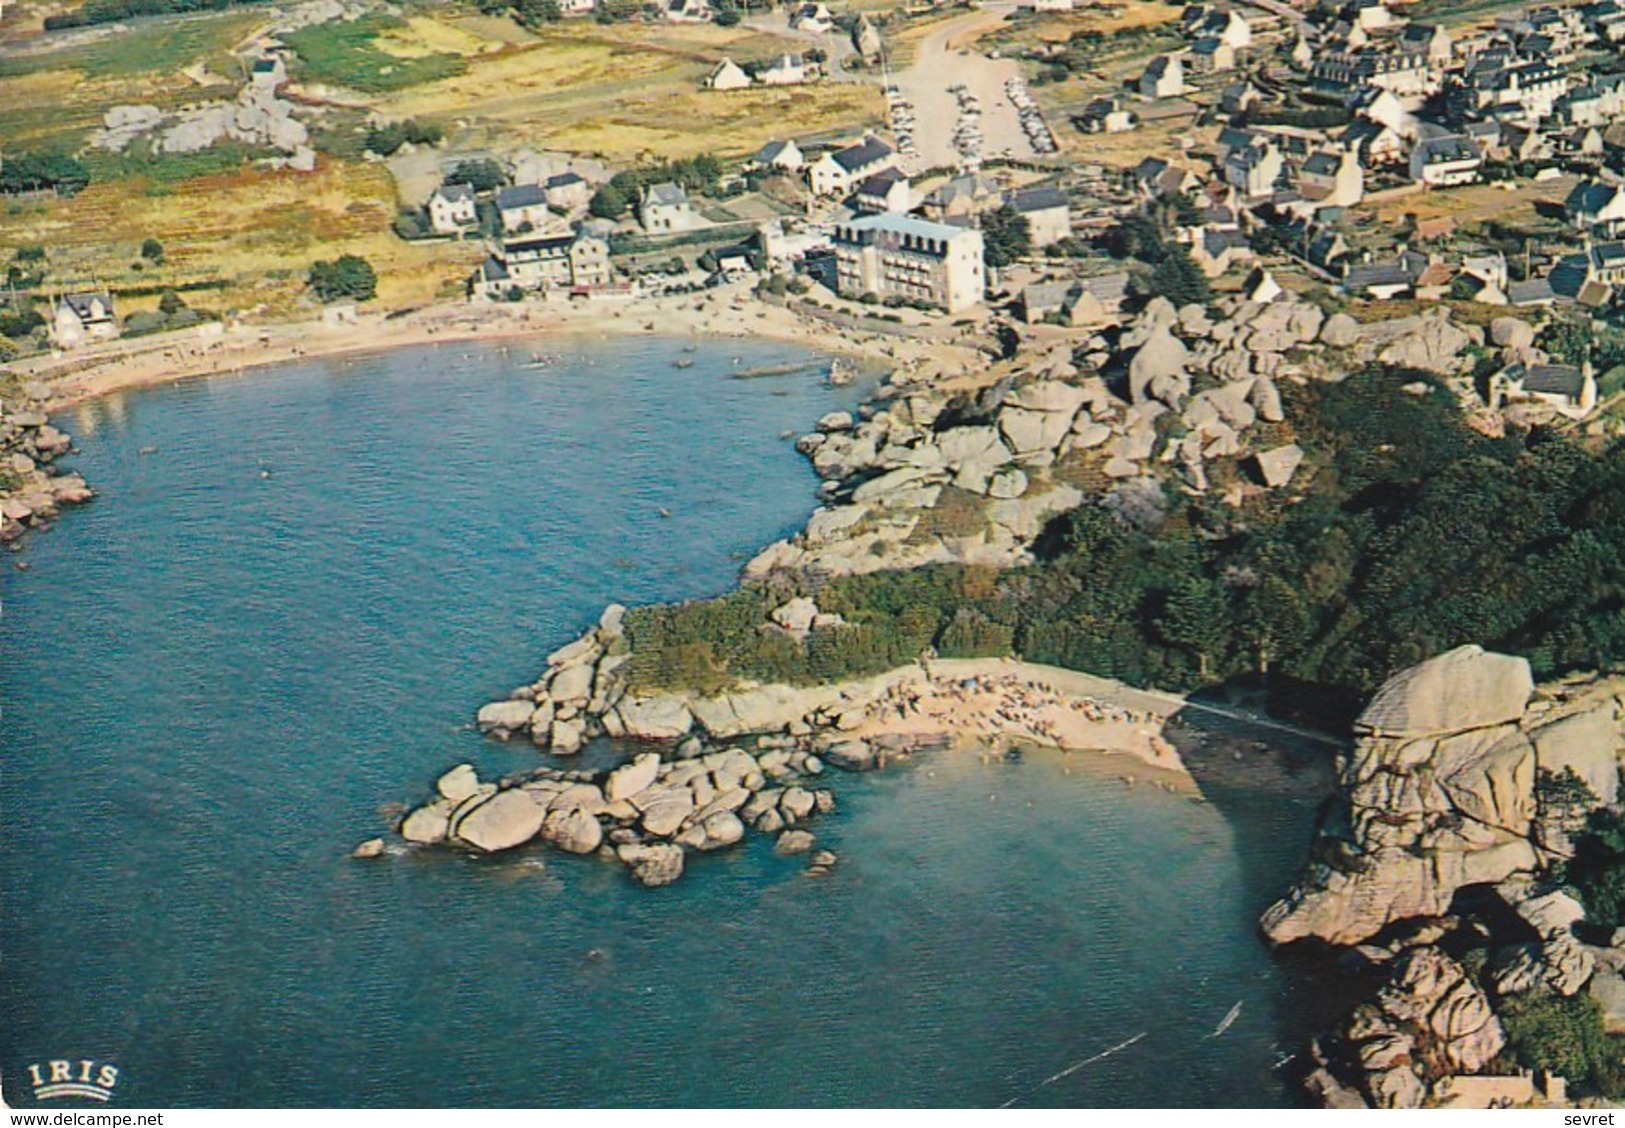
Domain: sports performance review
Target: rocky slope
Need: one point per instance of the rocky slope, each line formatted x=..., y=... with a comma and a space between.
x=1448, y=793
x=1440, y=792
x=929, y=475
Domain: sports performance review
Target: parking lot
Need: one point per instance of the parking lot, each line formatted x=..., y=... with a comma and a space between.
x=957, y=103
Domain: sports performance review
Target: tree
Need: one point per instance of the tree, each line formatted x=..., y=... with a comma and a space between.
x=1196, y=616
x=1179, y=279
x=348, y=276
x=483, y=175
x=152, y=250
x=609, y=202
x=727, y=14
x=1006, y=236
x=170, y=304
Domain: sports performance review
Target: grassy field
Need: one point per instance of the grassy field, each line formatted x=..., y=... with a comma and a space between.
x=374, y=55
x=630, y=93
x=258, y=232
x=1474, y=204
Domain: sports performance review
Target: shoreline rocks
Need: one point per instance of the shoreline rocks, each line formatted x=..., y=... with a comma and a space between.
x=33, y=490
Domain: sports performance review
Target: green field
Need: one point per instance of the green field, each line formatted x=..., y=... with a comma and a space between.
x=347, y=54
x=159, y=48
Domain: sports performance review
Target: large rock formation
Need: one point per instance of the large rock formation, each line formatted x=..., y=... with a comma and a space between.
x=1440, y=792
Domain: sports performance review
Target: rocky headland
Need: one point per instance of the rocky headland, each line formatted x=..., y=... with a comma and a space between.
x=944, y=471
x=1457, y=805
x=751, y=757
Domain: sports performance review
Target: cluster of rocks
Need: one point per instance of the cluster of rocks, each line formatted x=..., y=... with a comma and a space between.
x=645, y=814
x=1429, y=1022
x=1171, y=392
x=257, y=117
x=32, y=490
x=1466, y=780
x=1439, y=792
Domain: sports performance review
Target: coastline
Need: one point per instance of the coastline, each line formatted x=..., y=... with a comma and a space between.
x=720, y=314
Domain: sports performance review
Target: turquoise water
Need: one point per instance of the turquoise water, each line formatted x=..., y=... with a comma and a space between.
x=214, y=679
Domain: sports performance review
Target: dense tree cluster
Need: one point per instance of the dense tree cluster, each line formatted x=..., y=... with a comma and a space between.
x=386, y=140
x=1006, y=236
x=700, y=174
x=1415, y=534
x=348, y=276
x=34, y=172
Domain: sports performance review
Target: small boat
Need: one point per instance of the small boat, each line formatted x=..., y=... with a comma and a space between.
x=841, y=372
x=148, y=450
x=683, y=362
x=1227, y=1021
x=664, y=512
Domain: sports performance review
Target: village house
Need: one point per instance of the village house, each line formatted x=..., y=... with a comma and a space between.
x=689, y=11
x=886, y=191
x=1349, y=74
x=1597, y=103
x=1569, y=389
x=1446, y=161
x=837, y=173
x=523, y=208
x=1106, y=115
x=782, y=156
x=962, y=197
x=1047, y=212
x=567, y=191
x=904, y=258
x=576, y=263
x=1404, y=274
x=1527, y=92
x=1332, y=179
x=1210, y=56
x=1075, y=302
x=453, y=209
x=1164, y=77
x=814, y=19
x=786, y=70
x=727, y=75
x=664, y=208
x=1255, y=169
x=1429, y=40
x=1210, y=21
x=83, y=318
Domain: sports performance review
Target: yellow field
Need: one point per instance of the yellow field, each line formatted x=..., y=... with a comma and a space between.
x=1058, y=27
x=261, y=232
x=1473, y=204
x=632, y=93
x=423, y=36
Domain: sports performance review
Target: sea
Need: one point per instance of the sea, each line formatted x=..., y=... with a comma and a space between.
x=273, y=627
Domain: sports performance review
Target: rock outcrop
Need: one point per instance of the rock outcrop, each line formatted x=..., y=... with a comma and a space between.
x=1441, y=791
x=33, y=489
x=1429, y=1022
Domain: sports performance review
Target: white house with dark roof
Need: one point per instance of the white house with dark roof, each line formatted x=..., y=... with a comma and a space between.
x=453, y=209
x=1571, y=390
x=813, y=19
x=1164, y=77
x=665, y=207
x=727, y=75
x=1596, y=207
x=577, y=263
x=838, y=173
x=83, y=318
x=688, y=11
x=784, y=156
x=523, y=207
x=567, y=191
x=886, y=191
x=786, y=70
x=1047, y=212
x=1444, y=162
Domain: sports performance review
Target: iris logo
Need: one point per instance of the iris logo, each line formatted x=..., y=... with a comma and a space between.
x=88, y=1079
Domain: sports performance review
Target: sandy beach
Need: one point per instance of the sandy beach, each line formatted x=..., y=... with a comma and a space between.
x=997, y=704
x=217, y=349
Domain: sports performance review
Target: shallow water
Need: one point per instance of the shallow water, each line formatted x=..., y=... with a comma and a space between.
x=217, y=673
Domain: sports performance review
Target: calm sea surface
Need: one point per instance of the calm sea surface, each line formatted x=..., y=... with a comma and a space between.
x=282, y=619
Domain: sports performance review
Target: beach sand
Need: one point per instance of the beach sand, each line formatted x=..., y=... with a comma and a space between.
x=998, y=704
x=720, y=313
